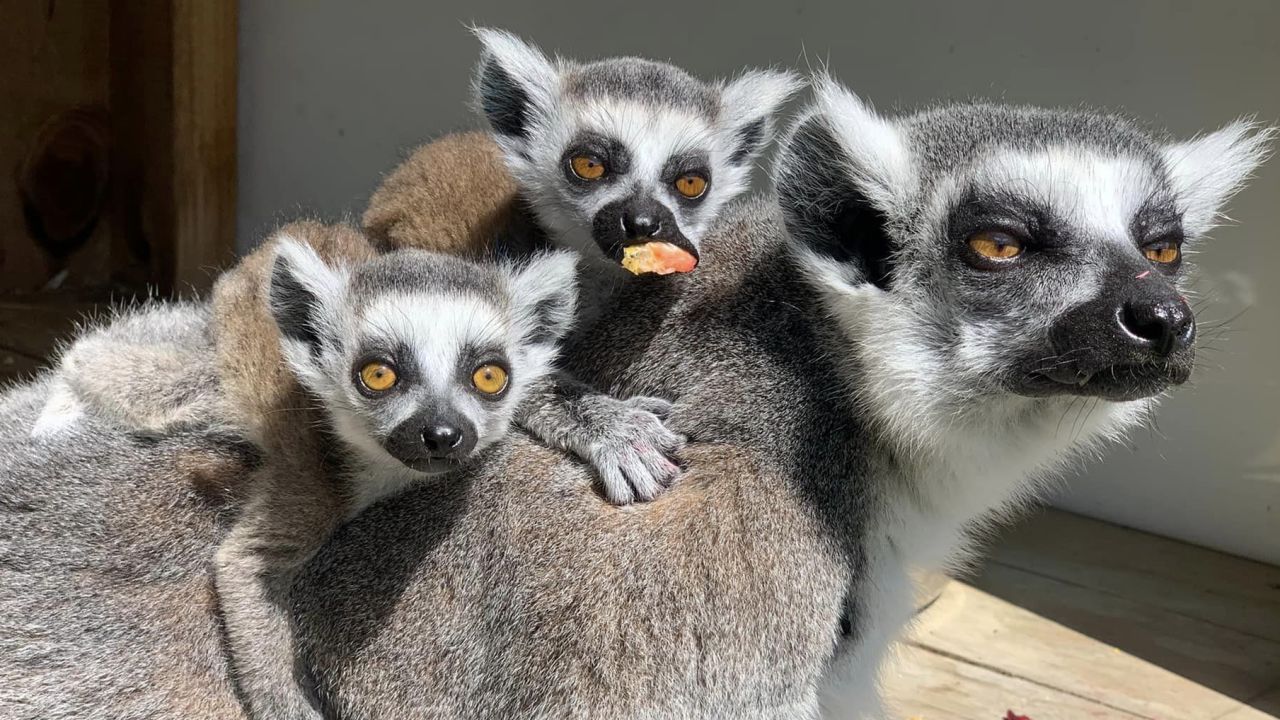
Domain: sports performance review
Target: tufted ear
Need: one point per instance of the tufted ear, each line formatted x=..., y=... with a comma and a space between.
x=748, y=105
x=305, y=296
x=544, y=296
x=515, y=84
x=842, y=175
x=1207, y=170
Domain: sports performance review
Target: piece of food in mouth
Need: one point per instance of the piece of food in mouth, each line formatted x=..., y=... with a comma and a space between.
x=659, y=258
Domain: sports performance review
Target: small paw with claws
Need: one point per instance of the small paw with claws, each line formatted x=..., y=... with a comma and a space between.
x=632, y=449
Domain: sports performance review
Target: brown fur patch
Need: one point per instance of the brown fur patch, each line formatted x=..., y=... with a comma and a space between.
x=219, y=477
x=268, y=401
x=452, y=195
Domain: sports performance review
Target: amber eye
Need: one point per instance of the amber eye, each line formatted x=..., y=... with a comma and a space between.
x=691, y=185
x=587, y=167
x=994, y=245
x=378, y=376
x=489, y=379
x=1163, y=253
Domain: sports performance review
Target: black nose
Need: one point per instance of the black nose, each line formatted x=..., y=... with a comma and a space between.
x=441, y=439
x=641, y=224
x=1165, y=325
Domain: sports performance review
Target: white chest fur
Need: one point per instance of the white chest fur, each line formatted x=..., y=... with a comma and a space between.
x=928, y=513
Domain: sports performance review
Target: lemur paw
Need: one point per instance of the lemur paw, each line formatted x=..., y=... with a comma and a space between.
x=634, y=451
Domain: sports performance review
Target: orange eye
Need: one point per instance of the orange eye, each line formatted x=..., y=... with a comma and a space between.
x=1163, y=254
x=691, y=185
x=378, y=376
x=995, y=245
x=489, y=379
x=587, y=167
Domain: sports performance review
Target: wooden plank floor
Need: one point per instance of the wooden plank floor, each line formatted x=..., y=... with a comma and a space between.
x=1075, y=618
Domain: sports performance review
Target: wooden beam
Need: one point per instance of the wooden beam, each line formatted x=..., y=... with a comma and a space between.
x=141, y=156
x=173, y=105
x=204, y=141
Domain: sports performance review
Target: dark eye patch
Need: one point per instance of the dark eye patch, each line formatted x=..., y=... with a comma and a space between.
x=694, y=162
x=614, y=155
x=395, y=354
x=473, y=356
x=1159, y=224
x=1025, y=219
x=1156, y=220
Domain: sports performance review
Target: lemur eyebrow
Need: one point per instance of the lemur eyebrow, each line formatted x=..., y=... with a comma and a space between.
x=474, y=354
x=1000, y=206
x=1157, y=216
x=686, y=162
x=386, y=348
x=609, y=149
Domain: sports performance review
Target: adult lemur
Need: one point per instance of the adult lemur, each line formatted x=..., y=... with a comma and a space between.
x=865, y=386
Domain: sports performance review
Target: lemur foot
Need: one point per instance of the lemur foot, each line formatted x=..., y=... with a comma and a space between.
x=633, y=450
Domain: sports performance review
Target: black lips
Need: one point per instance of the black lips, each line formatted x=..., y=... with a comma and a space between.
x=1132, y=341
x=635, y=221
x=432, y=442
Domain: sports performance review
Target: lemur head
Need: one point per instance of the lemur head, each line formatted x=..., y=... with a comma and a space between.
x=1005, y=252
x=419, y=358
x=624, y=151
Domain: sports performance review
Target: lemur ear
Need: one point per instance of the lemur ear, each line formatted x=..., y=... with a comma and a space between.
x=748, y=105
x=304, y=296
x=544, y=295
x=842, y=175
x=1206, y=171
x=514, y=81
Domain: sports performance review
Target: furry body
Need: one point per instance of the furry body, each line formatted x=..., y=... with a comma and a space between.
x=722, y=598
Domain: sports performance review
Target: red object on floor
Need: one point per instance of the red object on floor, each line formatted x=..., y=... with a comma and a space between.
x=1011, y=715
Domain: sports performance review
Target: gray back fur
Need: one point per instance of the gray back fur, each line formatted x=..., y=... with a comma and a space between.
x=106, y=605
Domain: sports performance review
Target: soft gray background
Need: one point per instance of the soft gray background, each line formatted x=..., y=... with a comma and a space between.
x=333, y=93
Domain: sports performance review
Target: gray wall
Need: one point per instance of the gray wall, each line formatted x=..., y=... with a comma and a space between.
x=332, y=93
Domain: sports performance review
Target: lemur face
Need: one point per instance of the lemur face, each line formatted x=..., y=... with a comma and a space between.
x=1064, y=265
x=624, y=151
x=420, y=359
x=1004, y=250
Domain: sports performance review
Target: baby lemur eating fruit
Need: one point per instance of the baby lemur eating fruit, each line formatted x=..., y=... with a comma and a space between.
x=626, y=161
